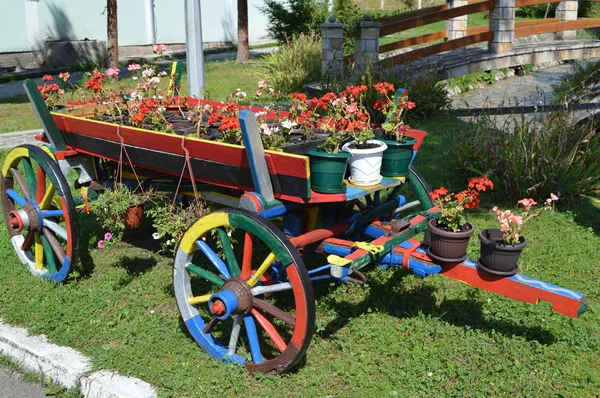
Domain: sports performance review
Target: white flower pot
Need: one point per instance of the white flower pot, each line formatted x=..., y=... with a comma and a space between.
x=365, y=164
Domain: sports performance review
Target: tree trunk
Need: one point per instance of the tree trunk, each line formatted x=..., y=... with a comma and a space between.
x=243, y=52
x=112, y=34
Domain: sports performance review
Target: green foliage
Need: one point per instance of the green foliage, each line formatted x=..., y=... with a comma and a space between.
x=294, y=17
x=537, y=158
x=528, y=68
x=472, y=80
x=549, y=10
x=427, y=91
x=348, y=13
x=111, y=207
x=297, y=63
x=171, y=222
x=574, y=85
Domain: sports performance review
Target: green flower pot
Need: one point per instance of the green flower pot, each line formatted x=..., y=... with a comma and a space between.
x=397, y=157
x=327, y=171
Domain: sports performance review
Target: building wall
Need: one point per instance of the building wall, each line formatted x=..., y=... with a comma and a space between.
x=26, y=24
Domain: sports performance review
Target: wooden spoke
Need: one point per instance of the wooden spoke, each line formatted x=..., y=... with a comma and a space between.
x=235, y=334
x=232, y=263
x=57, y=229
x=40, y=190
x=29, y=239
x=214, y=258
x=252, y=338
x=199, y=299
x=247, y=261
x=209, y=276
x=261, y=270
x=276, y=312
x=21, y=182
x=55, y=244
x=47, y=199
x=39, y=252
x=30, y=176
x=270, y=330
x=48, y=255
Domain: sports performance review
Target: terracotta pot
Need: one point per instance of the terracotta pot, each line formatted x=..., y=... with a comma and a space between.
x=134, y=216
x=448, y=246
x=498, y=257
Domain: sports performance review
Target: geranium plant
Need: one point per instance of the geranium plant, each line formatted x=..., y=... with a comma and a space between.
x=511, y=224
x=393, y=110
x=453, y=205
x=51, y=92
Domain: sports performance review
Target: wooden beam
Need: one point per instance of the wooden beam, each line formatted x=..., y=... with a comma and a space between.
x=411, y=14
x=519, y=24
x=438, y=48
x=523, y=3
x=436, y=17
x=557, y=27
x=412, y=41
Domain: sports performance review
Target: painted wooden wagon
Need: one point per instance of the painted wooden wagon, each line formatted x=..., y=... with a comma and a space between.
x=248, y=271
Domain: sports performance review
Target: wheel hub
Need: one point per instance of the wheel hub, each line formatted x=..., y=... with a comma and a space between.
x=25, y=218
x=235, y=297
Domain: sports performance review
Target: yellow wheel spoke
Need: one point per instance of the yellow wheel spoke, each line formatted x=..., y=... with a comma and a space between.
x=47, y=199
x=261, y=270
x=39, y=252
x=199, y=299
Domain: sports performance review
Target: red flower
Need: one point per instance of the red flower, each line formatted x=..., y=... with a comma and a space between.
x=437, y=193
x=381, y=104
x=214, y=118
x=138, y=118
x=230, y=107
x=95, y=83
x=469, y=197
x=229, y=123
x=354, y=91
x=481, y=183
x=298, y=96
x=313, y=103
x=47, y=78
x=408, y=105
x=326, y=99
x=383, y=88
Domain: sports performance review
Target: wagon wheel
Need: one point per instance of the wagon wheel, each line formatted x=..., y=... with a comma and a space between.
x=263, y=290
x=39, y=212
x=415, y=190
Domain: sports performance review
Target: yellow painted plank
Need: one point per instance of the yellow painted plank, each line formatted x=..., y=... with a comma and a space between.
x=261, y=270
x=200, y=227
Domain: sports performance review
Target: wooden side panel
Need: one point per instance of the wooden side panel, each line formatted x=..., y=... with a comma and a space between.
x=213, y=162
x=413, y=41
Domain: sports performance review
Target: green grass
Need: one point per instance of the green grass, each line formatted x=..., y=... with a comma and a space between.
x=398, y=335
x=17, y=114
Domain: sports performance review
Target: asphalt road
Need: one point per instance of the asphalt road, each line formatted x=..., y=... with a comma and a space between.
x=12, y=385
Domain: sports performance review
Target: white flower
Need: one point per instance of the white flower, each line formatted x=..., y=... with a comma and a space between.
x=148, y=72
x=239, y=93
x=163, y=73
x=152, y=311
x=134, y=78
x=262, y=113
x=288, y=124
x=154, y=80
x=430, y=374
x=169, y=242
x=156, y=235
x=265, y=129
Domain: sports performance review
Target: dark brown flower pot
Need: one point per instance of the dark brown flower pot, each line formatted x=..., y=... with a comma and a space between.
x=496, y=256
x=447, y=246
x=133, y=217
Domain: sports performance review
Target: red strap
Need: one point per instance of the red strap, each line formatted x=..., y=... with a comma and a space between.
x=407, y=252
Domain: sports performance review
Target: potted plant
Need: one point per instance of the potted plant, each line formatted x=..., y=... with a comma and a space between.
x=450, y=233
x=367, y=155
x=502, y=247
x=399, y=153
x=118, y=208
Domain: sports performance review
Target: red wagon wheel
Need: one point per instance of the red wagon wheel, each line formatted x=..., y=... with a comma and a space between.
x=39, y=212
x=259, y=301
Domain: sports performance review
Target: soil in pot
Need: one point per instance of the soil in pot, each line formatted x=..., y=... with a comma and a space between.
x=365, y=164
x=397, y=157
x=497, y=257
x=447, y=246
x=327, y=171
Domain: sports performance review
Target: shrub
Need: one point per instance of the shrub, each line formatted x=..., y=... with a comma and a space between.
x=549, y=10
x=348, y=13
x=573, y=86
x=297, y=63
x=553, y=154
x=298, y=17
x=427, y=91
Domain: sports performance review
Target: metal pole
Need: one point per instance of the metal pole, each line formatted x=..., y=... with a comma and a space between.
x=193, y=47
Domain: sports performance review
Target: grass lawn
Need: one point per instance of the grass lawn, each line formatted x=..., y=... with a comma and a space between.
x=16, y=114
x=397, y=335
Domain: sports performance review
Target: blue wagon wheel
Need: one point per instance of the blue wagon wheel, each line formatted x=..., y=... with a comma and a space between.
x=249, y=303
x=39, y=212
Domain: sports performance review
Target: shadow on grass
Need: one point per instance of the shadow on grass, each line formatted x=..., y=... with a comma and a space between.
x=586, y=212
x=16, y=99
x=389, y=298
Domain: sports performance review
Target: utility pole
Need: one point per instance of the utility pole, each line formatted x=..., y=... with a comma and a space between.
x=193, y=48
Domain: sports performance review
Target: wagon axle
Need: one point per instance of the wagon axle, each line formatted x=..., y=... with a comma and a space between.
x=235, y=297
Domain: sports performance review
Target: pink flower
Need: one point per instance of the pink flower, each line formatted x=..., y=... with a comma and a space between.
x=553, y=197
x=101, y=244
x=160, y=49
x=61, y=91
x=64, y=76
x=262, y=84
x=495, y=209
x=134, y=67
x=107, y=236
x=112, y=72
x=527, y=203
x=516, y=219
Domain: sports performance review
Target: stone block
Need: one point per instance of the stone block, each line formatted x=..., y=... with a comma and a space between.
x=325, y=43
x=498, y=47
x=370, y=45
x=332, y=33
x=65, y=53
x=502, y=25
x=566, y=35
x=539, y=58
x=505, y=3
x=369, y=33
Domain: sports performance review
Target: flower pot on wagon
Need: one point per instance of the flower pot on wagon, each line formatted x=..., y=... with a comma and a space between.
x=397, y=157
x=365, y=164
x=327, y=171
x=134, y=215
x=498, y=257
x=447, y=246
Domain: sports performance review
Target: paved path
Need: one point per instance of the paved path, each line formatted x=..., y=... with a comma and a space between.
x=12, y=385
x=11, y=140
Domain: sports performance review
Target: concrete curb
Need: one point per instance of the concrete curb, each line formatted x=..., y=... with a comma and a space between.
x=11, y=140
x=67, y=367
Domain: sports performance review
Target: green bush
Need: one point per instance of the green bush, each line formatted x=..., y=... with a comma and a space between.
x=552, y=154
x=428, y=93
x=348, y=13
x=574, y=86
x=542, y=10
x=297, y=63
x=299, y=17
